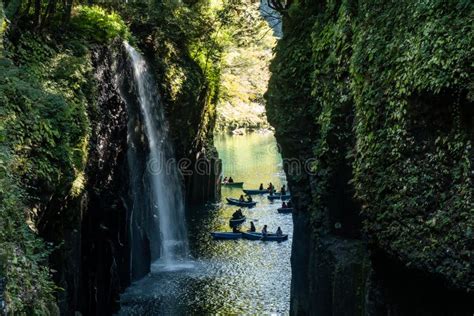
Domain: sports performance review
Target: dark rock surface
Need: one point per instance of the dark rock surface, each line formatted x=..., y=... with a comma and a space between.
x=105, y=257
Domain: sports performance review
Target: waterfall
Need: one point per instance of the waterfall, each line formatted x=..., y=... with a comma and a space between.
x=157, y=215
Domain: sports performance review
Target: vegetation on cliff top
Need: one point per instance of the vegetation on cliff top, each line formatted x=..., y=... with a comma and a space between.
x=400, y=72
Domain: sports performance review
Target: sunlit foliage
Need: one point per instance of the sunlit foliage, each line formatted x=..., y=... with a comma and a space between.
x=95, y=23
x=245, y=74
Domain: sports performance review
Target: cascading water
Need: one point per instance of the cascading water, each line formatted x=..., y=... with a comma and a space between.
x=158, y=207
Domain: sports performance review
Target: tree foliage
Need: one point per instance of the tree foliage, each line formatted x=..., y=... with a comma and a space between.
x=245, y=73
x=96, y=24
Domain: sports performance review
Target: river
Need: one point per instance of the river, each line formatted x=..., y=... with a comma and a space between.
x=226, y=277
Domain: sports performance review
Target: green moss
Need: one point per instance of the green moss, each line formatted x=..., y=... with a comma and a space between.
x=390, y=99
x=411, y=75
x=29, y=289
x=3, y=27
x=48, y=97
x=289, y=85
x=45, y=130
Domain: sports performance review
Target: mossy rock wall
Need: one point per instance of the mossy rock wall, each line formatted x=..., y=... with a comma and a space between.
x=378, y=96
x=63, y=169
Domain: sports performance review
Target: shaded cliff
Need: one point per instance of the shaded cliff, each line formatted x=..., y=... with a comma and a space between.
x=105, y=243
x=385, y=208
x=45, y=127
x=64, y=126
x=76, y=183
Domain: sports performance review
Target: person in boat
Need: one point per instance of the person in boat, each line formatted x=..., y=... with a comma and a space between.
x=230, y=180
x=271, y=188
x=264, y=230
x=279, y=232
x=249, y=198
x=237, y=214
x=225, y=180
x=261, y=187
x=283, y=190
x=241, y=199
x=289, y=204
x=284, y=205
x=252, y=227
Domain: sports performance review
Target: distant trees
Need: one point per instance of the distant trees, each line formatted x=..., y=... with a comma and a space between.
x=39, y=13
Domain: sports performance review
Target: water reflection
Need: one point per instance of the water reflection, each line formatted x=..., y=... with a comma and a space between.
x=226, y=277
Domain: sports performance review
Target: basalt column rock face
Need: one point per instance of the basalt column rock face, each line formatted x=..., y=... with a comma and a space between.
x=105, y=236
x=382, y=214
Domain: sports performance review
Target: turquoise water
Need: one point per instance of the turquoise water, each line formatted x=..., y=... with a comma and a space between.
x=226, y=277
x=251, y=158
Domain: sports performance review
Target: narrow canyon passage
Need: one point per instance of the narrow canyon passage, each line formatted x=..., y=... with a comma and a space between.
x=230, y=276
x=215, y=277
x=122, y=123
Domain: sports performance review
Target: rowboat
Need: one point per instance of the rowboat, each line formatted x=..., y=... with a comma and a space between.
x=268, y=237
x=233, y=184
x=237, y=202
x=226, y=235
x=285, y=210
x=250, y=192
x=278, y=196
x=236, y=222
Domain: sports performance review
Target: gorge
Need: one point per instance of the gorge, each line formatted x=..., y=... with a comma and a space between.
x=100, y=102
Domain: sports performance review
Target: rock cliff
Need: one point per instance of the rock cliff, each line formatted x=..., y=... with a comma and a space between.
x=385, y=205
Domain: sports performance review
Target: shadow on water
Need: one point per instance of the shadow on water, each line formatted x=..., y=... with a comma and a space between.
x=227, y=277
